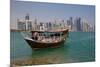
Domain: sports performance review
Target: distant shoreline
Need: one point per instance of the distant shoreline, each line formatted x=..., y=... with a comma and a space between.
x=15, y=30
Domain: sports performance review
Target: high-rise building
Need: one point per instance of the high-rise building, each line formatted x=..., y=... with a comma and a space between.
x=54, y=24
x=47, y=25
x=35, y=24
x=70, y=23
x=27, y=17
x=24, y=24
x=86, y=27
x=21, y=25
x=50, y=26
x=63, y=24
x=91, y=29
x=77, y=24
x=28, y=22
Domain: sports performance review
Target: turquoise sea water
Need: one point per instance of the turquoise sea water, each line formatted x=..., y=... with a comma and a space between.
x=79, y=47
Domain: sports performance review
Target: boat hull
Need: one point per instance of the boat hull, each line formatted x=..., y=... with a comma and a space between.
x=37, y=45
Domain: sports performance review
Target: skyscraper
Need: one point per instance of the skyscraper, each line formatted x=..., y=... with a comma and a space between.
x=86, y=27
x=50, y=26
x=28, y=22
x=77, y=24
x=71, y=22
x=63, y=24
x=21, y=25
x=35, y=24
x=27, y=17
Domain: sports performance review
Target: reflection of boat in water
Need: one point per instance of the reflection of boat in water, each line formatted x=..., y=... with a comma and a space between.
x=41, y=39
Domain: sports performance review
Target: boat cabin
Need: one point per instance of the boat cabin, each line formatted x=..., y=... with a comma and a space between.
x=48, y=36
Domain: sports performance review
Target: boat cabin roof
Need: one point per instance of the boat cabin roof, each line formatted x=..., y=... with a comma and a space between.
x=51, y=31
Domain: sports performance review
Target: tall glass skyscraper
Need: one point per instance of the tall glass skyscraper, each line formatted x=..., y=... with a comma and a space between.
x=77, y=23
x=27, y=17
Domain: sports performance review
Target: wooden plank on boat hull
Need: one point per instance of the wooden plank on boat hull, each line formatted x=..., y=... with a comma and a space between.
x=34, y=44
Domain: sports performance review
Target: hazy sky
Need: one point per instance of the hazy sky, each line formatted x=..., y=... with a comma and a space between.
x=50, y=11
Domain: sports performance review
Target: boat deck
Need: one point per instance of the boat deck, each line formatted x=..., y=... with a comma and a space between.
x=48, y=40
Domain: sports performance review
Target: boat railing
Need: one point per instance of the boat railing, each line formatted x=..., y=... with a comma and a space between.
x=44, y=38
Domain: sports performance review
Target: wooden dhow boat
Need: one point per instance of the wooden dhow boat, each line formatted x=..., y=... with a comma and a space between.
x=42, y=39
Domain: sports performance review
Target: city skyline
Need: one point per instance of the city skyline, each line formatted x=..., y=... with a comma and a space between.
x=46, y=12
x=72, y=24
